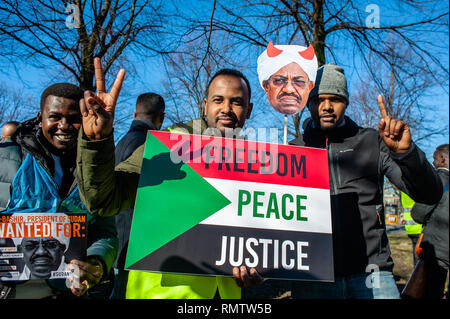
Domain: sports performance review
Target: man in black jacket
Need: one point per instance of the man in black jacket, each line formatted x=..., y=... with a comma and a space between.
x=435, y=239
x=359, y=159
x=149, y=115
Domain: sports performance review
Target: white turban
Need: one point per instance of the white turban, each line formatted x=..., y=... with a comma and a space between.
x=60, y=236
x=274, y=58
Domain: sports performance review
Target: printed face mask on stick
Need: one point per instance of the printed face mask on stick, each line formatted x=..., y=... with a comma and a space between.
x=287, y=74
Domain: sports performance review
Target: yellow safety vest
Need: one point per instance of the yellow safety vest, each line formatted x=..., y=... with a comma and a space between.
x=411, y=227
x=146, y=285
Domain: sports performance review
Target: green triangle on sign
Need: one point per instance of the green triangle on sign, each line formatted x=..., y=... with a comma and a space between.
x=171, y=199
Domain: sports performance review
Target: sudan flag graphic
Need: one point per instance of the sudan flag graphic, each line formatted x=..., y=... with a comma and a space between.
x=207, y=204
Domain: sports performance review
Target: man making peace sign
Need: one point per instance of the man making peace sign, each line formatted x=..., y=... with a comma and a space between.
x=108, y=191
x=359, y=159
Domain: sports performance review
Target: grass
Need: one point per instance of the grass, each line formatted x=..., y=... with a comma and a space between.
x=402, y=254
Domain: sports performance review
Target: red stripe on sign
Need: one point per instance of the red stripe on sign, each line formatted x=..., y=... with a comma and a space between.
x=236, y=159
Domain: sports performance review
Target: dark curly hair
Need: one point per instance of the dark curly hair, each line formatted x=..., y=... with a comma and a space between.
x=231, y=72
x=66, y=90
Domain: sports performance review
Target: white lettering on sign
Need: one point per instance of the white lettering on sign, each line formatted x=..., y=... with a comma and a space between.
x=282, y=253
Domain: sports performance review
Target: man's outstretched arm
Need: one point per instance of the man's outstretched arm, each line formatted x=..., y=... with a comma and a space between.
x=103, y=190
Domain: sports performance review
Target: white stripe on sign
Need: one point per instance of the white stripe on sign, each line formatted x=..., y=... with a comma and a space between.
x=270, y=206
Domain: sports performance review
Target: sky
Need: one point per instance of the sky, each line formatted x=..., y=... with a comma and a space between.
x=149, y=76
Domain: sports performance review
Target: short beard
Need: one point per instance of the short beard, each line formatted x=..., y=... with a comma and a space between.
x=317, y=124
x=329, y=128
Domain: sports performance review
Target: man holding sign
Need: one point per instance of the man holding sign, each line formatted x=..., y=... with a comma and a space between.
x=108, y=192
x=359, y=159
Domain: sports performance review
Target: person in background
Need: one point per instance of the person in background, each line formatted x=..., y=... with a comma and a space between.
x=10, y=156
x=9, y=128
x=149, y=115
x=435, y=239
x=413, y=229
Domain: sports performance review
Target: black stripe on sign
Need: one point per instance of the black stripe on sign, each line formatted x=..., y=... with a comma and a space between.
x=199, y=251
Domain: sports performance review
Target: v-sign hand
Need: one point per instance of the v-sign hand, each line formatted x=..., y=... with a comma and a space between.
x=98, y=109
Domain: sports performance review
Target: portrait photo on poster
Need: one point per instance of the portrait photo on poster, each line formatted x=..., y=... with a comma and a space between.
x=37, y=246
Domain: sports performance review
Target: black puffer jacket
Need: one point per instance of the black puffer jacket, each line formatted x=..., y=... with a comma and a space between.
x=10, y=159
x=358, y=162
x=134, y=138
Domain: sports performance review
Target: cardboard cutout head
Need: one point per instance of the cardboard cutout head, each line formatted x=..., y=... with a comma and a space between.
x=287, y=74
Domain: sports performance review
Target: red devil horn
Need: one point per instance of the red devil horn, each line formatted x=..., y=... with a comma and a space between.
x=308, y=54
x=272, y=51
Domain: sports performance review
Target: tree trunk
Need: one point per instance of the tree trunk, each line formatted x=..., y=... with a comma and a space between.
x=319, y=48
x=87, y=75
x=319, y=31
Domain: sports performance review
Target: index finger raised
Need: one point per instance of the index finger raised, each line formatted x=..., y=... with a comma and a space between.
x=382, y=107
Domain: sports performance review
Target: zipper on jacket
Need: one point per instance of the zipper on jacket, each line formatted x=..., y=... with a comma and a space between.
x=330, y=161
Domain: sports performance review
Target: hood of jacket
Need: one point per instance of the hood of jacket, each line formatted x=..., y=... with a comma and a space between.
x=30, y=138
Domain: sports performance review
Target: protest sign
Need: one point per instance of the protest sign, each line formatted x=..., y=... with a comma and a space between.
x=206, y=204
x=39, y=245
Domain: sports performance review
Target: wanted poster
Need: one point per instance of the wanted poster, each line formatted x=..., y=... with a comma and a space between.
x=40, y=245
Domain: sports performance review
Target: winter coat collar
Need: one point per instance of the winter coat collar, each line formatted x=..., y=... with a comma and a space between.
x=316, y=137
x=140, y=124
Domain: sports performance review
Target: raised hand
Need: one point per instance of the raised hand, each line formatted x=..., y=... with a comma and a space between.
x=395, y=133
x=98, y=109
